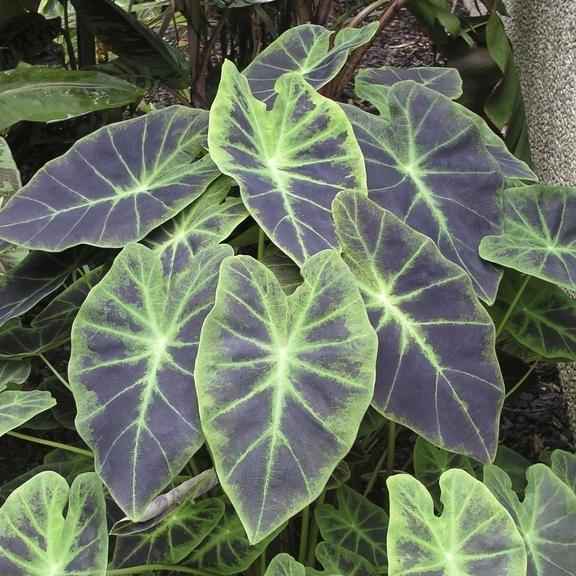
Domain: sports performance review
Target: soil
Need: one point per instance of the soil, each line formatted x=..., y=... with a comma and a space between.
x=533, y=420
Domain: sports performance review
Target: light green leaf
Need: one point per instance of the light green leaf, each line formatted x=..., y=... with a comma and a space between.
x=37, y=539
x=336, y=560
x=285, y=270
x=284, y=565
x=134, y=346
x=546, y=518
x=514, y=464
x=355, y=524
x=46, y=94
x=170, y=541
x=283, y=383
x=17, y=407
x=564, y=466
x=474, y=535
x=290, y=162
x=539, y=237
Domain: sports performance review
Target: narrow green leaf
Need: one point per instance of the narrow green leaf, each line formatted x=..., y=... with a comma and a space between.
x=10, y=181
x=290, y=162
x=474, y=535
x=283, y=383
x=546, y=518
x=47, y=528
x=46, y=94
x=134, y=345
x=355, y=524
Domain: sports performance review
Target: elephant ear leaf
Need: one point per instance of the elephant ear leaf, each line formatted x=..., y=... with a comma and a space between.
x=546, y=518
x=171, y=540
x=356, y=525
x=286, y=181
x=134, y=346
x=64, y=528
x=115, y=185
x=207, y=221
x=437, y=342
x=294, y=374
x=284, y=565
x=474, y=535
x=373, y=84
x=428, y=165
x=15, y=373
x=539, y=236
x=307, y=50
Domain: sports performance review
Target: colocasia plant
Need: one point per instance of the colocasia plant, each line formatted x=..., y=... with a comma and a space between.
x=253, y=300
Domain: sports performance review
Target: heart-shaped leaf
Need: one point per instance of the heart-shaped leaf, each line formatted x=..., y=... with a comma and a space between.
x=356, y=525
x=276, y=371
x=34, y=278
x=287, y=273
x=563, y=464
x=170, y=541
x=306, y=49
x=475, y=534
x=133, y=41
x=115, y=185
x=134, y=345
x=287, y=180
x=45, y=94
x=436, y=341
x=546, y=518
x=429, y=166
x=207, y=221
x=226, y=550
x=373, y=84
x=51, y=327
x=539, y=235
x=17, y=407
x=284, y=565
x=37, y=539
x=336, y=560
x=543, y=319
